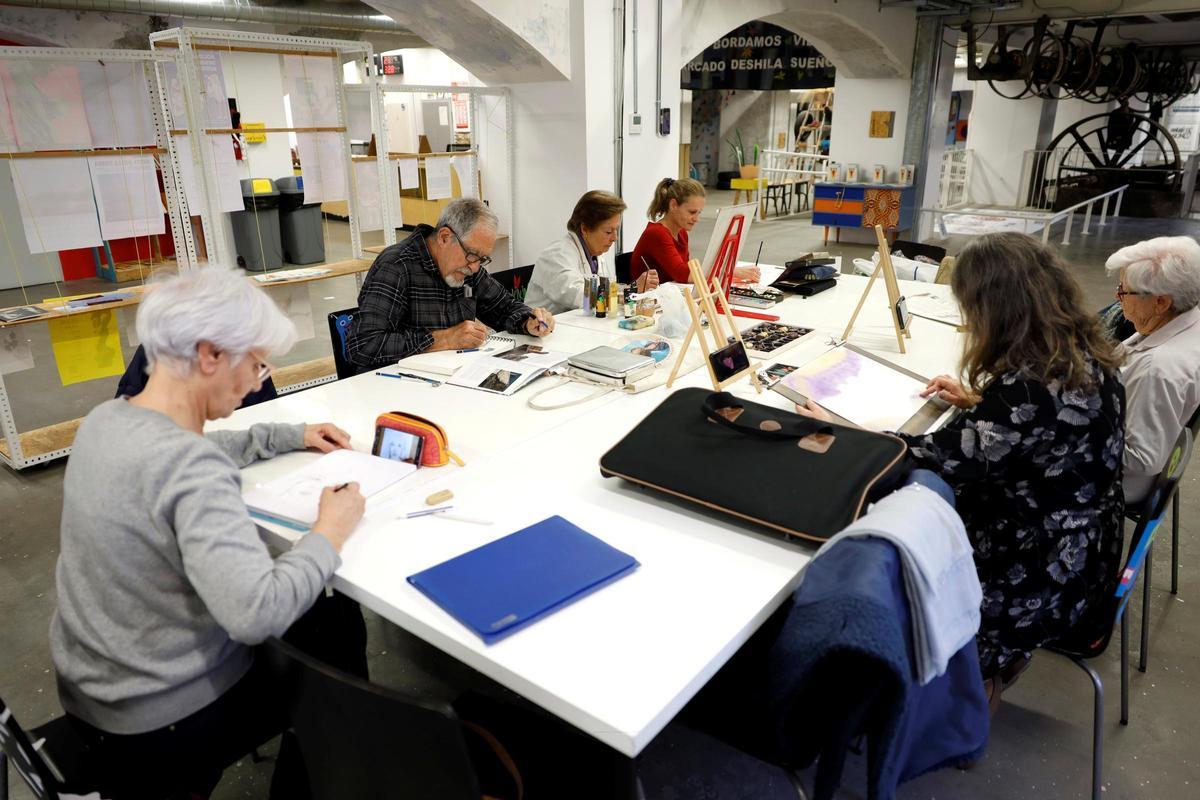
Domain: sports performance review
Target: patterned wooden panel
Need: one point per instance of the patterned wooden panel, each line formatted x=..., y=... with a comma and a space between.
x=881, y=207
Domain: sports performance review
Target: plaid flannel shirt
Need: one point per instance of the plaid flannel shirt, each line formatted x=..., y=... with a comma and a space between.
x=404, y=297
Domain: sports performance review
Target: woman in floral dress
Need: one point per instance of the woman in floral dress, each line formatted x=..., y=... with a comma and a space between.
x=1035, y=457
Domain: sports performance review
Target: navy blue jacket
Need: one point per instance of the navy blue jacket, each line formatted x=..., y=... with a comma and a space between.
x=841, y=666
x=134, y=380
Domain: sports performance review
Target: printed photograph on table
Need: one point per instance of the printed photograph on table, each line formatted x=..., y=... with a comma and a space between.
x=767, y=337
x=500, y=380
x=658, y=349
x=523, y=352
x=774, y=374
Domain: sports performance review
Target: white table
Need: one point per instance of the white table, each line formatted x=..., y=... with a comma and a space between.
x=620, y=663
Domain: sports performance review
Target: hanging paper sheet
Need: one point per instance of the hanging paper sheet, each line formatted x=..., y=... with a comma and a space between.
x=295, y=303
x=410, y=173
x=323, y=165
x=366, y=184
x=437, y=179
x=86, y=346
x=215, y=100
x=15, y=354
x=46, y=104
x=126, y=190
x=464, y=167
x=8, y=136
x=312, y=91
x=57, y=209
x=117, y=103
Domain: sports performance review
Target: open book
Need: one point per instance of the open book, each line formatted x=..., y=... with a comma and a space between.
x=448, y=362
x=507, y=372
x=292, y=500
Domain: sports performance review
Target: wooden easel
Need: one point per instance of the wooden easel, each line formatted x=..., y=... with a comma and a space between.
x=703, y=299
x=893, y=292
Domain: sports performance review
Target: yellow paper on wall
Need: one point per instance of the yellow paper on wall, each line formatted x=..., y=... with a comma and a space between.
x=86, y=346
x=248, y=132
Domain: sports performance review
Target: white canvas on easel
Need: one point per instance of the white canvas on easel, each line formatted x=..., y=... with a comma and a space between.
x=884, y=267
x=724, y=217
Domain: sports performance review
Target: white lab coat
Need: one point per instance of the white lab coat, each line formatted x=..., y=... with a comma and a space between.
x=559, y=274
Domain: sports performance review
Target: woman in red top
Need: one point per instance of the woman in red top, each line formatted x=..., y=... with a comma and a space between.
x=663, y=246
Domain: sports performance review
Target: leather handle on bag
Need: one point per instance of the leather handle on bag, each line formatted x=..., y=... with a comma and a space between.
x=792, y=427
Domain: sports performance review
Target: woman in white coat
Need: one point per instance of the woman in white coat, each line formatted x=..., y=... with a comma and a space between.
x=561, y=270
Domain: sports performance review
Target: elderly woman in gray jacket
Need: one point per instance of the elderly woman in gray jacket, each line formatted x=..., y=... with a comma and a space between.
x=1159, y=289
x=164, y=586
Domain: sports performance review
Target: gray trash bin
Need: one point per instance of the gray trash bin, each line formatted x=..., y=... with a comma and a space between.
x=299, y=223
x=256, y=229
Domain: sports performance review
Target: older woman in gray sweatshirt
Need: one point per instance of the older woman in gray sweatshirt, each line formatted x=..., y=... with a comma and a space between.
x=164, y=585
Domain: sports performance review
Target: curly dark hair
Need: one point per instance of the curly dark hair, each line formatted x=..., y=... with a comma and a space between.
x=1024, y=312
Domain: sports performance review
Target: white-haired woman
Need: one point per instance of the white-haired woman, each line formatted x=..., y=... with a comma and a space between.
x=1159, y=289
x=164, y=586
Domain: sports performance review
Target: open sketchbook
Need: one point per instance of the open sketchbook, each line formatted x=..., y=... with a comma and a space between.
x=868, y=392
x=448, y=362
x=292, y=499
x=507, y=372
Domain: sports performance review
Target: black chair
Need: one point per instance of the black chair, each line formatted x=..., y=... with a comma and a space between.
x=1095, y=629
x=515, y=281
x=622, y=267
x=339, y=326
x=363, y=741
x=49, y=758
x=779, y=195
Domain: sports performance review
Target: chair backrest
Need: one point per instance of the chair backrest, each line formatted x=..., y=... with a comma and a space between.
x=16, y=747
x=362, y=741
x=1095, y=630
x=622, y=264
x=515, y=281
x=339, y=326
x=135, y=377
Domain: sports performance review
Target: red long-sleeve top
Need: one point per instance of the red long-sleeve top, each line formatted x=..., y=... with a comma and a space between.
x=657, y=250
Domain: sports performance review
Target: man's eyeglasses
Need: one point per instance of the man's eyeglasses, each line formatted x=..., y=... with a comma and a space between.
x=1122, y=292
x=472, y=256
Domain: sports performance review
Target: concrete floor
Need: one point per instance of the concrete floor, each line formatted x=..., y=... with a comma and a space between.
x=1041, y=739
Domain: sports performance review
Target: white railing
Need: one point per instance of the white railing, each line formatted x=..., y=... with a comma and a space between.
x=955, y=181
x=787, y=167
x=1047, y=218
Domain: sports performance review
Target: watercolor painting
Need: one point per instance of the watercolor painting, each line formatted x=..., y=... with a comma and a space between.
x=858, y=388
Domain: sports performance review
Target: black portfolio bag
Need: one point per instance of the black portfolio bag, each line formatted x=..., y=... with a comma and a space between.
x=776, y=468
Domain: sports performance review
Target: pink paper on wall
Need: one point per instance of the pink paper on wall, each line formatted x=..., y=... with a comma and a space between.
x=46, y=105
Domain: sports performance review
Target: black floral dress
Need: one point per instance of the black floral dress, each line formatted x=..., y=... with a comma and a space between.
x=1036, y=473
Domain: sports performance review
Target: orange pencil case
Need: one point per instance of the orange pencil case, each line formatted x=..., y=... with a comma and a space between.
x=436, y=450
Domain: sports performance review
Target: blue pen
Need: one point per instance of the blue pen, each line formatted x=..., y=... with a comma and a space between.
x=403, y=375
x=468, y=350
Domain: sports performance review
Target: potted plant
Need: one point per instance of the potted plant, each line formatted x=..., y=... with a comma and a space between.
x=746, y=170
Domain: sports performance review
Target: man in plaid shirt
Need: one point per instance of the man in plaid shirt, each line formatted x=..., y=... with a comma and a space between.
x=430, y=292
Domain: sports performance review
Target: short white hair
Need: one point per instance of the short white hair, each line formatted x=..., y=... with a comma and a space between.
x=211, y=304
x=1168, y=265
x=465, y=214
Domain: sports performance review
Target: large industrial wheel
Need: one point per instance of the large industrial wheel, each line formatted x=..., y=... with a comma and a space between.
x=1103, y=145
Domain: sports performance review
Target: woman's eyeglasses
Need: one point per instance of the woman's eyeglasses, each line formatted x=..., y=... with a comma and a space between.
x=264, y=371
x=1122, y=292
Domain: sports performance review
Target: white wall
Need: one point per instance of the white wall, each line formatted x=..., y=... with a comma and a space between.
x=999, y=133
x=256, y=80
x=427, y=66
x=648, y=157
x=849, y=137
x=545, y=24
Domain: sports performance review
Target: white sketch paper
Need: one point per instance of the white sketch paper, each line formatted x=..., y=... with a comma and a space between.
x=15, y=354
x=117, y=103
x=437, y=179
x=410, y=174
x=215, y=98
x=57, y=209
x=366, y=184
x=322, y=163
x=126, y=190
x=358, y=115
x=295, y=303
x=464, y=167
x=8, y=136
x=223, y=163
x=173, y=85
x=46, y=103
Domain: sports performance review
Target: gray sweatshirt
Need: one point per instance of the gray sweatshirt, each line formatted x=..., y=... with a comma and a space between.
x=163, y=581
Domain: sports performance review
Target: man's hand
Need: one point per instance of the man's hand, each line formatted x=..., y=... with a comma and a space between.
x=647, y=281
x=541, y=323
x=463, y=336
x=325, y=437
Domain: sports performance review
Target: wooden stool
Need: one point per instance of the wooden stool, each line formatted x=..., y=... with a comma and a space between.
x=749, y=185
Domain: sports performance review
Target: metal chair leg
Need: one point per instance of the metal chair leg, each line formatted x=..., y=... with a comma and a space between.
x=1143, y=656
x=1175, y=543
x=1125, y=668
x=1097, y=727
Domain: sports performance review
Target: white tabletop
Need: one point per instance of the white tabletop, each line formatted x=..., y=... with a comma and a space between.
x=620, y=663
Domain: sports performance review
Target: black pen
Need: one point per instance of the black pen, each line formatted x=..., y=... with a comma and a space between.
x=339, y=488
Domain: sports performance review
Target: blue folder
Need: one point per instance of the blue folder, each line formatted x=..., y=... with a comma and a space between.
x=497, y=589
